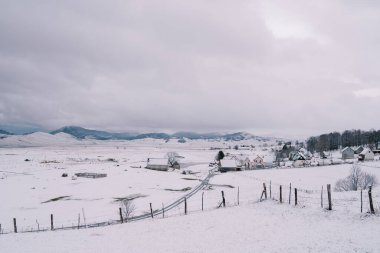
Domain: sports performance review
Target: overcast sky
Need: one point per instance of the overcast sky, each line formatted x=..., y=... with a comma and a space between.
x=282, y=68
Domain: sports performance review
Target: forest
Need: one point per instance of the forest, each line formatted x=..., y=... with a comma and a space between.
x=335, y=140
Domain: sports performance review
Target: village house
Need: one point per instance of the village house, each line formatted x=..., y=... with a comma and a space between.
x=299, y=159
x=366, y=155
x=348, y=153
x=258, y=162
x=246, y=163
x=161, y=164
x=242, y=160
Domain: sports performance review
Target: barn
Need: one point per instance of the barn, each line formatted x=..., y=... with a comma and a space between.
x=348, y=153
x=366, y=155
x=161, y=164
x=228, y=165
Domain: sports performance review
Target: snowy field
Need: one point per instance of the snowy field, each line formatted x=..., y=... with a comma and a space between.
x=262, y=227
x=30, y=190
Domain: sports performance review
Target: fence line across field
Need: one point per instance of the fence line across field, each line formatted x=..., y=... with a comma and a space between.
x=211, y=200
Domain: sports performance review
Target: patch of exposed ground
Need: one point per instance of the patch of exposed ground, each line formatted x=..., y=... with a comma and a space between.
x=130, y=197
x=179, y=190
x=56, y=199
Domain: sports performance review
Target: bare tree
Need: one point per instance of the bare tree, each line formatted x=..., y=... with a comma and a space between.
x=356, y=180
x=369, y=180
x=172, y=157
x=127, y=207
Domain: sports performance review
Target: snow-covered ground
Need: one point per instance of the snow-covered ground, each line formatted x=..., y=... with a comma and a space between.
x=253, y=226
x=261, y=227
x=32, y=177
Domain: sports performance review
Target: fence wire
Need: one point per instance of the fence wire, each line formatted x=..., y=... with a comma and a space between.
x=207, y=199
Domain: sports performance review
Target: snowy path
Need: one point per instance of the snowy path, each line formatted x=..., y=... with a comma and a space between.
x=178, y=201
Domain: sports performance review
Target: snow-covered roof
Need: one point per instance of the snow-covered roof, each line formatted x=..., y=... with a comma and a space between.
x=157, y=161
x=299, y=156
x=303, y=151
x=347, y=148
x=366, y=151
x=228, y=163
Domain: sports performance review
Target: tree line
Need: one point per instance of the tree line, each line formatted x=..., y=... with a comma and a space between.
x=335, y=140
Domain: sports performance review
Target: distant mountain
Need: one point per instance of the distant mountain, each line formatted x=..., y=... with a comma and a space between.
x=5, y=132
x=151, y=135
x=238, y=136
x=195, y=136
x=83, y=133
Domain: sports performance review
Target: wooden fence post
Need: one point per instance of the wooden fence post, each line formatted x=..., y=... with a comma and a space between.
x=295, y=196
x=265, y=190
x=84, y=218
x=202, y=200
x=370, y=199
x=151, y=210
x=270, y=189
x=322, y=197
x=223, y=199
x=163, y=211
x=361, y=200
x=121, y=215
x=238, y=197
x=185, y=206
x=15, y=225
x=264, y=193
x=51, y=222
x=280, y=193
x=329, y=196
x=290, y=192
x=78, y=220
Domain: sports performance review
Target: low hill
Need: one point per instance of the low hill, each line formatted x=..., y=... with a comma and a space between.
x=83, y=133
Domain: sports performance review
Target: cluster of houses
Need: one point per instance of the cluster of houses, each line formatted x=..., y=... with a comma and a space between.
x=285, y=156
x=363, y=154
x=296, y=157
x=244, y=162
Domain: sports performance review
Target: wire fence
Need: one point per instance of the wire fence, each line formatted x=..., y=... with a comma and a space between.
x=207, y=197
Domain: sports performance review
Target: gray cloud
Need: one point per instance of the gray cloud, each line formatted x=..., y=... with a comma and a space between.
x=287, y=68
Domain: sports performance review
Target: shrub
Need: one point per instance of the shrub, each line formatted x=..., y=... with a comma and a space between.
x=357, y=179
x=127, y=208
